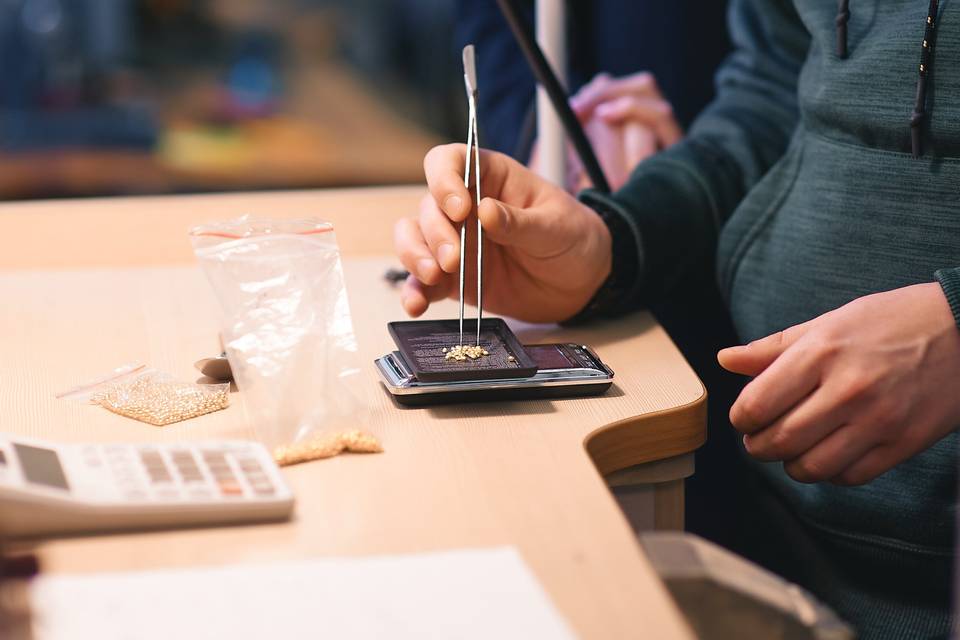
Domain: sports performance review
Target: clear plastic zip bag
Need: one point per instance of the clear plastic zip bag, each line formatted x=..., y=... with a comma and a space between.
x=286, y=328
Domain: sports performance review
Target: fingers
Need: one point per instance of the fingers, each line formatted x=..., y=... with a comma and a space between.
x=501, y=176
x=870, y=466
x=604, y=88
x=427, y=282
x=443, y=167
x=831, y=457
x=414, y=253
x=541, y=234
x=441, y=236
x=753, y=358
x=639, y=143
x=798, y=431
x=590, y=95
x=791, y=378
x=653, y=112
x=416, y=296
x=607, y=141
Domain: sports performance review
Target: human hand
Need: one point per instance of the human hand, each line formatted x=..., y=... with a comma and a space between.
x=545, y=254
x=627, y=120
x=850, y=394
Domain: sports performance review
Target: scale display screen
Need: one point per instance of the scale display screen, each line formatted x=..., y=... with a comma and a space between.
x=550, y=356
x=41, y=466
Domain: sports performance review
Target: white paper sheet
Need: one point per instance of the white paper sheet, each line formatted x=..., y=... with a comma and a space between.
x=477, y=593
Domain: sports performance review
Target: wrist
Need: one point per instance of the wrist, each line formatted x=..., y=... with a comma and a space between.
x=618, y=290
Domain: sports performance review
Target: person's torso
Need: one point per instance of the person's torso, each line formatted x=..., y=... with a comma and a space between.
x=848, y=211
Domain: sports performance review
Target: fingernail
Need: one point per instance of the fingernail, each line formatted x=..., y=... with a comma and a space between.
x=452, y=204
x=446, y=253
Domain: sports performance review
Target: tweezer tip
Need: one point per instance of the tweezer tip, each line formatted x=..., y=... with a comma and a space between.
x=470, y=68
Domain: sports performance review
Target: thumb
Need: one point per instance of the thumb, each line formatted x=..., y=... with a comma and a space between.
x=753, y=358
x=536, y=232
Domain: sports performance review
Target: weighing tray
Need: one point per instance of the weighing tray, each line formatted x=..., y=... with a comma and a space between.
x=422, y=343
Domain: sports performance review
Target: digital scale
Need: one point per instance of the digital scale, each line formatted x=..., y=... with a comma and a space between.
x=50, y=488
x=560, y=371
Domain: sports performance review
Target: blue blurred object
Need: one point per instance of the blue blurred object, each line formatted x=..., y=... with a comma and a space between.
x=253, y=79
x=113, y=127
x=54, y=57
x=680, y=41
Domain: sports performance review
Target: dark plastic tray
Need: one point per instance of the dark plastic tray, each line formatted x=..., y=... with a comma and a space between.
x=422, y=342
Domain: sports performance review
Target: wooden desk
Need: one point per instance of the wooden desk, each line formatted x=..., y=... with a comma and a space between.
x=88, y=285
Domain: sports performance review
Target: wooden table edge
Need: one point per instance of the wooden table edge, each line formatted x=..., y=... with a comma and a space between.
x=649, y=437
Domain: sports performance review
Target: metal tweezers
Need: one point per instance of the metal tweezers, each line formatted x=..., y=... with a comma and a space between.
x=473, y=149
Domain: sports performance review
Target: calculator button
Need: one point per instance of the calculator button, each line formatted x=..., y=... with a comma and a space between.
x=200, y=494
x=223, y=472
x=159, y=476
x=231, y=490
x=156, y=468
x=224, y=476
x=167, y=494
x=135, y=494
x=187, y=466
x=249, y=465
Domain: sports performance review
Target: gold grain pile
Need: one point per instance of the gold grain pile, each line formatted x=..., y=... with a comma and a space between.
x=464, y=352
x=156, y=400
x=327, y=445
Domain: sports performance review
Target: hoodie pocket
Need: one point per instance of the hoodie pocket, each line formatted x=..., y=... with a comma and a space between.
x=755, y=213
x=834, y=222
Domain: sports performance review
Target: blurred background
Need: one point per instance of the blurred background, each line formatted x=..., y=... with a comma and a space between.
x=110, y=97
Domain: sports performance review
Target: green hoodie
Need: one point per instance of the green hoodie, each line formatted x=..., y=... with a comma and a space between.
x=800, y=180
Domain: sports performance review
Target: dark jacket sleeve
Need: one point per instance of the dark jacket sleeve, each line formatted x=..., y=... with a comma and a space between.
x=676, y=202
x=949, y=280
x=506, y=84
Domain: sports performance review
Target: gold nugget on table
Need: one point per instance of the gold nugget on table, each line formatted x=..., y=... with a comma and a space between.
x=463, y=352
x=327, y=445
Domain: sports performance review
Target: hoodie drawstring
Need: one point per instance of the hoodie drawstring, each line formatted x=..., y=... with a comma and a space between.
x=926, y=64
x=843, y=17
x=919, y=115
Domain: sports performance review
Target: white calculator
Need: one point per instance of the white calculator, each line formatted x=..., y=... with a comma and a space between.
x=63, y=488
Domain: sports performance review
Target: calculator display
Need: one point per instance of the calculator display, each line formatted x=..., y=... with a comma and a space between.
x=41, y=466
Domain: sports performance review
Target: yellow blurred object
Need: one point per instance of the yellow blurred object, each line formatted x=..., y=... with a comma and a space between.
x=327, y=445
x=201, y=148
